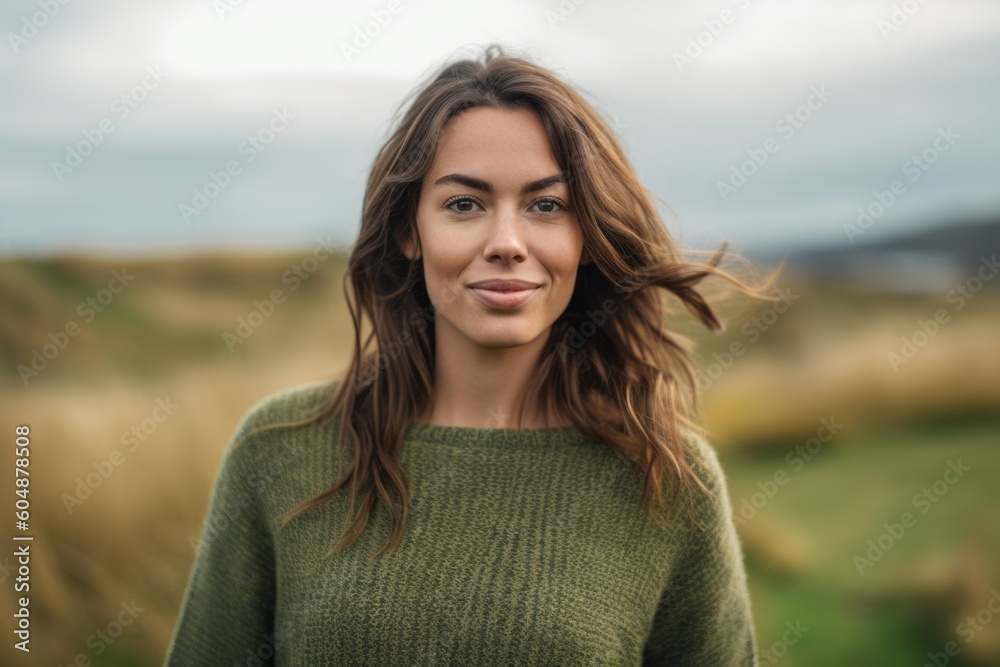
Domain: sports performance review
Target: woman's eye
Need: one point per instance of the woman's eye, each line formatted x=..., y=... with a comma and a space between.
x=548, y=206
x=464, y=204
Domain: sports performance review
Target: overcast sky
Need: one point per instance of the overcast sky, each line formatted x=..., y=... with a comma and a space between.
x=200, y=76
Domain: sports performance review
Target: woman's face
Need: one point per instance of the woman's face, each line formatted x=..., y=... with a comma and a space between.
x=495, y=207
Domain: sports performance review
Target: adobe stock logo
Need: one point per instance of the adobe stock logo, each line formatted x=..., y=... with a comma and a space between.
x=900, y=16
x=59, y=340
x=796, y=459
x=786, y=126
x=249, y=148
x=132, y=439
x=381, y=18
x=699, y=43
x=924, y=500
x=915, y=167
x=927, y=329
x=121, y=108
x=37, y=21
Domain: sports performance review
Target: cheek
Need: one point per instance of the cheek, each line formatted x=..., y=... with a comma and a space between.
x=562, y=270
x=444, y=256
x=445, y=260
x=563, y=255
x=568, y=270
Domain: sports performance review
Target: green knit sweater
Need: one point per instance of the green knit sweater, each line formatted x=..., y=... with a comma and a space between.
x=522, y=547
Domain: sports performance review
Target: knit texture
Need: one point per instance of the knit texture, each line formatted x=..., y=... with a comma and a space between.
x=522, y=547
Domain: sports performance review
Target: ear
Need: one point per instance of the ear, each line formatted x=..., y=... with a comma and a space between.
x=585, y=257
x=411, y=248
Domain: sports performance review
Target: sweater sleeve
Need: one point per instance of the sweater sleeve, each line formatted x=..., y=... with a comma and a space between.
x=704, y=615
x=227, y=611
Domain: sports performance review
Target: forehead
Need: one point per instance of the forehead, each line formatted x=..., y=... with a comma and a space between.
x=487, y=142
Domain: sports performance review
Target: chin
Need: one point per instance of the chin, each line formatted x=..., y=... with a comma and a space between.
x=502, y=337
x=499, y=342
x=509, y=337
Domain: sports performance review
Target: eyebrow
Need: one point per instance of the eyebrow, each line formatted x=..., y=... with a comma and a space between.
x=485, y=186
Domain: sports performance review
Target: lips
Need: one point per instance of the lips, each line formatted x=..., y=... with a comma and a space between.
x=504, y=294
x=504, y=285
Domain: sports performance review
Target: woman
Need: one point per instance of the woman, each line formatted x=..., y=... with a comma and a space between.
x=512, y=433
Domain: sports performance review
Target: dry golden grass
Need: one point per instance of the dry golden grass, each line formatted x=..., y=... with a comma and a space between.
x=131, y=538
x=819, y=361
x=162, y=337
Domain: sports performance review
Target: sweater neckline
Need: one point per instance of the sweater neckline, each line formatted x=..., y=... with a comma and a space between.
x=469, y=435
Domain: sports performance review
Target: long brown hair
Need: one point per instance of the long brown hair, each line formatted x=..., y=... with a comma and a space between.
x=618, y=376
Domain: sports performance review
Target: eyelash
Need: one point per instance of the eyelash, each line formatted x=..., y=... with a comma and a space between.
x=455, y=200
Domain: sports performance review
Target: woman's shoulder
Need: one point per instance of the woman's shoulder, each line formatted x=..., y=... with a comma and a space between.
x=259, y=428
x=703, y=450
x=291, y=404
x=704, y=460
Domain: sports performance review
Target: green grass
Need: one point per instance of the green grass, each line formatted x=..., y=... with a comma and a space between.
x=839, y=500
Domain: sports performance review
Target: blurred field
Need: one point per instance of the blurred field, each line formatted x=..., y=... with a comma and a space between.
x=161, y=338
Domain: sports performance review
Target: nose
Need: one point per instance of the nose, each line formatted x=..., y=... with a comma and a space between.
x=507, y=236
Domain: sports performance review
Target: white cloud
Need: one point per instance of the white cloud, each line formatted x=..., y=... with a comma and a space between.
x=227, y=73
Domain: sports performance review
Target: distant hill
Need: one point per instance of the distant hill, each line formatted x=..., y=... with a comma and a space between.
x=928, y=260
